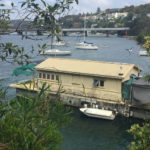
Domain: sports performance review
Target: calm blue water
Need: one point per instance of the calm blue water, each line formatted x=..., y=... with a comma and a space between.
x=86, y=133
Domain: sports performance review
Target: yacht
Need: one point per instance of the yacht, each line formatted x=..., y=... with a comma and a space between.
x=86, y=46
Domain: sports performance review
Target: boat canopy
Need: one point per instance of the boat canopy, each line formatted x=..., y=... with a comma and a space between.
x=140, y=92
x=126, y=89
x=87, y=42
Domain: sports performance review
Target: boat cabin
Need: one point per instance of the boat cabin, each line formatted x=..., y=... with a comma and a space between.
x=85, y=80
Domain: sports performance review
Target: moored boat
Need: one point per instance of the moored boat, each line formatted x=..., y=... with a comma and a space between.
x=55, y=52
x=143, y=53
x=98, y=113
x=86, y=46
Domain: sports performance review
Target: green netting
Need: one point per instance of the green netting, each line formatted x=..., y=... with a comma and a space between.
x=24, y=70
x=126, y=89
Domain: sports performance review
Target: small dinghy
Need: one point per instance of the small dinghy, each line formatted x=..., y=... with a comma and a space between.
x=98, y=113
x=55, y=52
x=143, y=53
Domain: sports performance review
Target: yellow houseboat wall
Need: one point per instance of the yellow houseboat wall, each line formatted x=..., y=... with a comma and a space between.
x=84, y=86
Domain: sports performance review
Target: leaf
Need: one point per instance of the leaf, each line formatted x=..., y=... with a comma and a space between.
x=44, y=46
x=77, y=1
x=2, y=5
x=24, y=3
x=146, y=77
x=36, y=6
x=43, y=2
x=12, y=4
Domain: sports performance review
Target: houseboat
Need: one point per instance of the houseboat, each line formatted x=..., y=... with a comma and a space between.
x=85, y=81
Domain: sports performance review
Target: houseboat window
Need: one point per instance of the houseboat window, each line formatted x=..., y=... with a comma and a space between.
x=52, y=77
x=48, y=76
x=44, y=76
x=40, y=75
x=96, y=82
x=57, y=77
x=101, y=83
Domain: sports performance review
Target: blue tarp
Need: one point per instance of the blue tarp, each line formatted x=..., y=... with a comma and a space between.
x=87, y=42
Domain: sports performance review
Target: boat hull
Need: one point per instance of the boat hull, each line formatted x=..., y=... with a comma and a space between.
x=87, y=47
x=99, y=113
x=55, y=53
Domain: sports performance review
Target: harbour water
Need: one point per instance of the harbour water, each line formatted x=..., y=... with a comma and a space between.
x=85, y=133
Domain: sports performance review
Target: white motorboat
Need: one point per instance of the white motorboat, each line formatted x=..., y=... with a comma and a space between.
x=86, y=46
x=143, y=53
x=55, y=52
x=98, y=113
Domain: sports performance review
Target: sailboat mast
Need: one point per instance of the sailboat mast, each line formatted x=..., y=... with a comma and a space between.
x=52, y=42
x=84, y=26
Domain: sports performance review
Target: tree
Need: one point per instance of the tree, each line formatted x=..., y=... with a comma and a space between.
x=147, y=44
x=130, y=16
x=141, y=135
x=4, y=20
x=32, y=123
x=140, y=39
x=44, y=17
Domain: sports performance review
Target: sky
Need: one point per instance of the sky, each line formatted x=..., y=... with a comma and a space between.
x=91, y=6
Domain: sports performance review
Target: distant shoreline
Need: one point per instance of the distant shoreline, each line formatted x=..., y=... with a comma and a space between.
x=130, y=37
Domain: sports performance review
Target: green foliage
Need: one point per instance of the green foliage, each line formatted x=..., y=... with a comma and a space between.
x=147, y=44
x=140, y=26
x=146, y=77
x=3, y=92
x=140, y=39
x=46, y=14
x=141, y=135
x=4, y=20
x=45, y=18
x=142, y=9
x=13, y=53
x=138, y=21
x=32, y=123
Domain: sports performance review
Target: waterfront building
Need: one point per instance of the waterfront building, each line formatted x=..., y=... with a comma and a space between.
x=106, y=84
x=84, y=79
